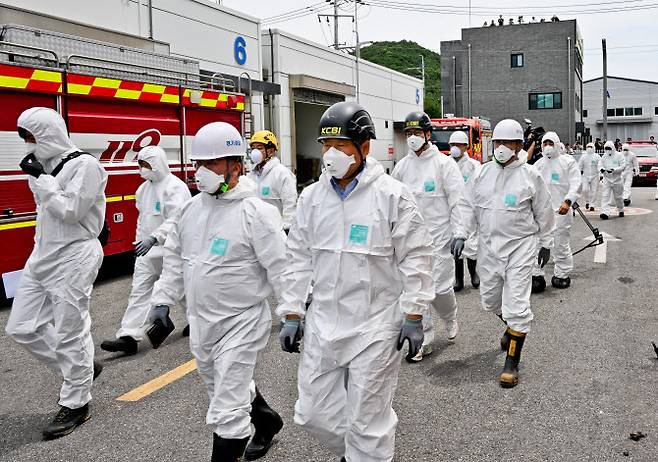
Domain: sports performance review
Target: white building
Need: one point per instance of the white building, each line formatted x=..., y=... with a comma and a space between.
x=632, y=108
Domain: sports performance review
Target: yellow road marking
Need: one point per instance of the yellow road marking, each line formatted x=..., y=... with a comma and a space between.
x=159, y=382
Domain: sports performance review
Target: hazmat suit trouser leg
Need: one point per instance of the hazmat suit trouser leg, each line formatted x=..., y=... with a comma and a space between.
x=590, y=189
x=562, y=256
x=349, y=407
x=147, y=271
x=628, y=183
x=50, y=318
x=227, y=368
x=611, y=195
x=506, y=283
x=445, y=303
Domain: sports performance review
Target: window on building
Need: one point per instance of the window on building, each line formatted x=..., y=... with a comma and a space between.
x=611, y=112
x=619, y=112
x=628, y=111
x=545, y=100
x=517, y=60
x=655, y=110
x=584, y=112
x=637, y=111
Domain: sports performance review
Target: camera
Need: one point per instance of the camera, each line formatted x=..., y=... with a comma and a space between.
x=533, y=134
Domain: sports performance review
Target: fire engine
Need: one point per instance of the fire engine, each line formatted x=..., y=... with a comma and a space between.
x=115, y=101
x=478, y=131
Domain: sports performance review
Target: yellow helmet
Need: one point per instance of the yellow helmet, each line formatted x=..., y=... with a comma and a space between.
x=266, y=137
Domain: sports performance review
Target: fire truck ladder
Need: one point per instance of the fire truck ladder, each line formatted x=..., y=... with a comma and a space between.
x=247, y=115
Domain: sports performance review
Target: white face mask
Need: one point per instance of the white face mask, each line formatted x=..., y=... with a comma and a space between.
x=608, y=151
x=455, y=152
x=30, y=148
x=590, y=150
x=147, y=174
x=415, y=142
x=337, y=162
x=208, y=181
x=256, y=156
x=549, y=151
x=502, y=154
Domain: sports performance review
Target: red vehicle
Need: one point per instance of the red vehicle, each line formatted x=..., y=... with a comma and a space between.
x=647, y=157
x=478, y=131
x=110, y=118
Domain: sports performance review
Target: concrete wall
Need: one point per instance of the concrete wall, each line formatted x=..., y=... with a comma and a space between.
x=499, y=91
x=623, y=93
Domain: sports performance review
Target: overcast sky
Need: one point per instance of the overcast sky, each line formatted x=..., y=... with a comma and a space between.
x=632, y=36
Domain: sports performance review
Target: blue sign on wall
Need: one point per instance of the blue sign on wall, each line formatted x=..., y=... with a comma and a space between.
x=240, y=50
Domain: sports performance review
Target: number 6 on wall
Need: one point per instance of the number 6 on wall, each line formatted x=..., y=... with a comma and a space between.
x=240, y=50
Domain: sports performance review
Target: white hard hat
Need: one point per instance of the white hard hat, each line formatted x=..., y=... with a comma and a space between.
x=507, y=129
x=590, y=145
x=609, y=144
x=217, y=140
x=553, y=137
x=458, y=138
x=625, y=146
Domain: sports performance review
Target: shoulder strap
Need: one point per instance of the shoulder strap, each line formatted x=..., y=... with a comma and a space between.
x=71, y=156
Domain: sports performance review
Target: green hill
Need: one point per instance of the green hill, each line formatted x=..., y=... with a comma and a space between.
x=403, y=55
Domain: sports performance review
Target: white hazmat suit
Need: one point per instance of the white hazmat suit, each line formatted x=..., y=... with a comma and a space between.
x=562, y=177
x=50, y=313
x=589, y=166
x=437, y=185
x=370, y=259
x=158, y=201
x=511, y=208
x=612, y=164
x=226, y=254
x=631, y=169
x=469, y=168
x=277, y=186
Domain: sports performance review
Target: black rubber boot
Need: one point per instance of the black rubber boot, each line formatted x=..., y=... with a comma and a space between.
x=627, y=202
x=267, y=423
x=459, y=274
x=604, y=216
x=591, y=209
x=225, y=450
x=504, y=341
x=560, y=283
x=472, y=269
x=186, y=331
x=127, y=345
x=538, y=284
x=509, y=378
x=587, y=205
x=621, y=214
x=65, y=421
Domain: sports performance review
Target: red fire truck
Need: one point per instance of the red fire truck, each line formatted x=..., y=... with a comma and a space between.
x=478, y=131
x=108, y=116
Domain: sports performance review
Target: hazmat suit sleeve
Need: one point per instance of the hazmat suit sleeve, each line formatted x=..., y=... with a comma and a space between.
x=575, y=183
x=288, y=199
x=413, y=251
x=174, y=198
x=581, y=163
x=454, y=187
x=299, y=268
x=622, y=164
x=269, y=243
x=636, y=164
x=169, y=289
x=542, y=209
x=73, y=201
x=468, y=224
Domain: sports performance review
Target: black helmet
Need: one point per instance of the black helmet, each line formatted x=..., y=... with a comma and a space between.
x=418, y=119
x=348, y=121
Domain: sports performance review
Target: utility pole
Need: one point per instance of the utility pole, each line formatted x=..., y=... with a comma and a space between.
x=357, y=51
x=605, y=91
x=336, y=24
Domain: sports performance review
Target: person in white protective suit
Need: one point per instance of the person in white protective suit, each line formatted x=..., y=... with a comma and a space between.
x=436, y=183
x=276, y=183
x=510, y=205
x=50, y=313
x=158, y=201
x=631, y=170
x=589, y=169
x=226, y=254
x=611, y=166
x=469, y=168
x=360, y=237
x=561, y=174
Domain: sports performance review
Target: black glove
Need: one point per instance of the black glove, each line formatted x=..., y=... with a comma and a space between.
x=457, y=247
x=161, y=325
x=32, y=166
x=291, y=335
x=544, y=256
x=412, y=330
x=602, y=171
x=143, y=247
x=611, y=171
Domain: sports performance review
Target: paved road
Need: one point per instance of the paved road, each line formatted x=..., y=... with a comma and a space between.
x=589, y=378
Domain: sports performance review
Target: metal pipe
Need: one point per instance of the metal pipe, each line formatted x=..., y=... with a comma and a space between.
x=358, y=47
x=139, y=17
x=151, y=19
x=470, y=102
x=569, y=75
x=605, y=90
x=454, y=84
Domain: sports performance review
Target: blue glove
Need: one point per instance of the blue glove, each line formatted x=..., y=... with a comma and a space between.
x=412, y=330
x=291, y=335
x=457, y=247
x=544, y=256
x=143, y=247
x=32, y=166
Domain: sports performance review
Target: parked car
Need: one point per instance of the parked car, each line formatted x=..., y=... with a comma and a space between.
x=647, y=156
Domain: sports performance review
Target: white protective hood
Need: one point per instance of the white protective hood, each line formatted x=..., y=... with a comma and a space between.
x=49, y=131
